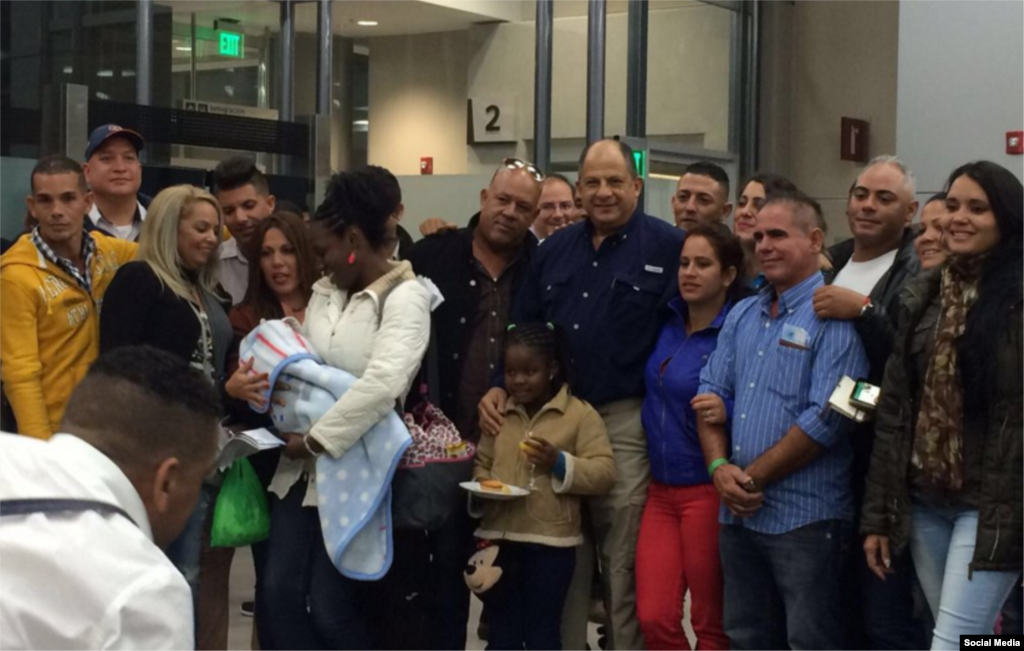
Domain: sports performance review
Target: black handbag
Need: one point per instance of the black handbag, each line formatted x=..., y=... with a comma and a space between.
x=425, y=491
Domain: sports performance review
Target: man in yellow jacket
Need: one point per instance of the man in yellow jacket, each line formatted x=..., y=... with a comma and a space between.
x=52, y=282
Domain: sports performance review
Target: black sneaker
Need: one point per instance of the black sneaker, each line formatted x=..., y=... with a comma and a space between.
x=247, y=609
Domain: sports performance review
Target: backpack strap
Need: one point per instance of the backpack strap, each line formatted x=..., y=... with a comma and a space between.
x=60, y=505
x=429, y=374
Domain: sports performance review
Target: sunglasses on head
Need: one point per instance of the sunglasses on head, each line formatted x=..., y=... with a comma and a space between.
x=520, y=164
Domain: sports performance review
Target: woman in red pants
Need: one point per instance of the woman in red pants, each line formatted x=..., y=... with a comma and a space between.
x=678, y=545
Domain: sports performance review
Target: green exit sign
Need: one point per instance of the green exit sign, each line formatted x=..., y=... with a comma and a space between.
x=640, y=162
x=231, y=44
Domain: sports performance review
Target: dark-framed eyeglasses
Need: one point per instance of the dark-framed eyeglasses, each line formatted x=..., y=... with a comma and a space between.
x=520, y=164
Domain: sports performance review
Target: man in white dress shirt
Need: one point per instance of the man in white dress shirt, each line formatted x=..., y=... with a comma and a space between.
x=244, y=196
x=83, y=515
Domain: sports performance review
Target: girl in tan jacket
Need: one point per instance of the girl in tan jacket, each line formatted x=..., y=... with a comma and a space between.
x=555, y=446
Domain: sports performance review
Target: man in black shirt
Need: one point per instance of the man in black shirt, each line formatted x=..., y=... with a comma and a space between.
x=479, y=270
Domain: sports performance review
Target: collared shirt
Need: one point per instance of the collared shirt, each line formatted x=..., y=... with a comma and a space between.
x=758, y=282
x=672, y=378
x=484, y=351
x=234, y=271
x=82, y=579
x=781, y=372
x=82, y=277
x=606, y=300
x=130, y=232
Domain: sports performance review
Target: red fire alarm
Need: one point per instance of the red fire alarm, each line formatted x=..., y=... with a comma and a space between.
x=427, y=165
x=1015, y=142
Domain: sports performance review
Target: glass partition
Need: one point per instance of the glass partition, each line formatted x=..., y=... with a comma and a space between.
x=422, y=88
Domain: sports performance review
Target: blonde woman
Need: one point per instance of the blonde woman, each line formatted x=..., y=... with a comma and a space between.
x=168, y=299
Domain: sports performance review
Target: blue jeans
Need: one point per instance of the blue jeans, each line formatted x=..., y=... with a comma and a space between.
x=526, y=607
x=302, y=600
x=785, y=590
x=185, y=550
x=942, y=544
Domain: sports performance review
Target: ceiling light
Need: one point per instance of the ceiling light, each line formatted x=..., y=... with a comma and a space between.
x=68, y=70
x=186, y=48
x=367, y=23
x=105, y=73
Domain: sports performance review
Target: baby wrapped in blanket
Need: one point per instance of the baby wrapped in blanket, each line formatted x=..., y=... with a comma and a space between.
x=354, y=490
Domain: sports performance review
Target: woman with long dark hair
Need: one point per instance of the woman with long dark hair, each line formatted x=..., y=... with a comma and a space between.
x=279, y=286
x=946, y=470
x=677, y=549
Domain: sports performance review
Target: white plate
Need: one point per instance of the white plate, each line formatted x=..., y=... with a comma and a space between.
x=514, y=491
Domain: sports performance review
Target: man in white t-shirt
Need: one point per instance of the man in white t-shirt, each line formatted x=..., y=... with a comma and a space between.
x=870, y=270
x=83, y=515
x=871, y=267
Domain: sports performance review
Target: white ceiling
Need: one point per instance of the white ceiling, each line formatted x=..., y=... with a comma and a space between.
x=394, y=16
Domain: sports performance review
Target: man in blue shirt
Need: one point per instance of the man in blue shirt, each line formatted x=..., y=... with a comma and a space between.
x=603, y=281
x=784, y=477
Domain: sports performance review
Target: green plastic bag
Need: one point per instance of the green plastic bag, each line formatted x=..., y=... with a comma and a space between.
x=241, y=516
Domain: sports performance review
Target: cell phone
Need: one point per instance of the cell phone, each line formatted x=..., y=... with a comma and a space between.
x=842, y=401
x=865, y=395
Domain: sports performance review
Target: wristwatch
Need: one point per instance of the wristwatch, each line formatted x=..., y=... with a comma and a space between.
x=868, y=309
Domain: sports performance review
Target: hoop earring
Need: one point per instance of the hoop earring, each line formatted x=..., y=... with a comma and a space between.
x=352, y=258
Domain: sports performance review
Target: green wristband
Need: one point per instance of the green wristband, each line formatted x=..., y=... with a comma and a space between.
x=715, y=465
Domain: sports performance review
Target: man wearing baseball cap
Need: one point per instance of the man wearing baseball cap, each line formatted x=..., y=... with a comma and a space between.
x=114, y=173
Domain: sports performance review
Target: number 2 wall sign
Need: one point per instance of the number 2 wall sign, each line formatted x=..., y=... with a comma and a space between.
x=491, y=119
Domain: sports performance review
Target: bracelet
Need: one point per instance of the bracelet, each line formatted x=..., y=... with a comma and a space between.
x=305, y=443
x=716, y=464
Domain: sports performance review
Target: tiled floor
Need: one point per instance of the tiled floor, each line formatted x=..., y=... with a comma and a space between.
x=240, y=628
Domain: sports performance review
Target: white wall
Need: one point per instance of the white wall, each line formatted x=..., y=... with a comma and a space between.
x=961, y=85
x=453, y=198
x=418, y=102
x=658, y=198
x=419, y=86
x=821, y=61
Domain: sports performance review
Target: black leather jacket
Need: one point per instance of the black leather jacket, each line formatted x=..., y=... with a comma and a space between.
x=999, y=544
x=877, y=330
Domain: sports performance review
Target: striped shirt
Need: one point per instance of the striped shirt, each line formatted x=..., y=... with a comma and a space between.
x=781, y=372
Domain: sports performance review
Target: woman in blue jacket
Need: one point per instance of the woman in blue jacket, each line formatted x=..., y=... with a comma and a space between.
x=678, y=545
